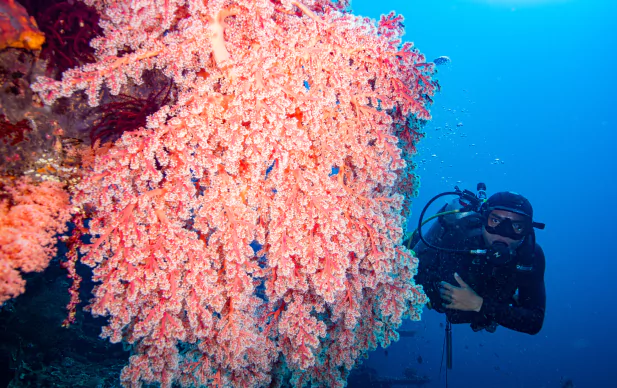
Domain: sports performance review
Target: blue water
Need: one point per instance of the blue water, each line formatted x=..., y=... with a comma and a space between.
x=533, y=83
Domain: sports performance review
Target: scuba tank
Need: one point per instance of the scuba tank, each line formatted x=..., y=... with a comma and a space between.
x=454, y=219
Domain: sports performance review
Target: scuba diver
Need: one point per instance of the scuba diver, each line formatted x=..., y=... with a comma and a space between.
x=480, y=263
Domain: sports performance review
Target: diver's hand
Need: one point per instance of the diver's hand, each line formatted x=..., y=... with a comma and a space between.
x=460, y=298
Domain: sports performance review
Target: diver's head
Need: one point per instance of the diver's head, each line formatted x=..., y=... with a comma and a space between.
x=507, y=219
x=502, y=226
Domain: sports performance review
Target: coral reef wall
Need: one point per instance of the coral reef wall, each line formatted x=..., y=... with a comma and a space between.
x=250, y=232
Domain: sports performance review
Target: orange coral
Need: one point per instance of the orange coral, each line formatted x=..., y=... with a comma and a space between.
x=17, y=29
x=30, y=215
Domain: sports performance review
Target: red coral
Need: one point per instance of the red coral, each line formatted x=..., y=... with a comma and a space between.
x=69, y=26
x=127, y=113
x=13, y=133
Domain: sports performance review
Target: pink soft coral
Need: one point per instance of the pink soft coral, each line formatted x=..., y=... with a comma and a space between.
x=30, y=215
x=284, y=135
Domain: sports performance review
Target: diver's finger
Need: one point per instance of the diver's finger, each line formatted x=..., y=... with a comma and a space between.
x=447, y=285
x=443, y=292
x=460, y=281
x=447, y=298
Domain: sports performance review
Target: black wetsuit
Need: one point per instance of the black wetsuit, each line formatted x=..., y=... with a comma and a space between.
x=523, y=276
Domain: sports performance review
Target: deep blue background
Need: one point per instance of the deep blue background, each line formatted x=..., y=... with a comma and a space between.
x=534, y=85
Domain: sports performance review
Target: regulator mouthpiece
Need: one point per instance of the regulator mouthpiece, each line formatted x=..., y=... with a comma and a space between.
x=499, y=253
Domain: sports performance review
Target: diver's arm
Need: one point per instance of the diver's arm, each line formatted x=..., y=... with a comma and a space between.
x=528, y=315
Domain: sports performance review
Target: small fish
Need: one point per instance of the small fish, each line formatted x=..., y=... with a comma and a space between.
x=442, y=60
x=62, y=145
x=71, y=141
x=420, y=360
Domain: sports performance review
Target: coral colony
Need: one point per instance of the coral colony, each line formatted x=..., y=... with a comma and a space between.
x=246, y=213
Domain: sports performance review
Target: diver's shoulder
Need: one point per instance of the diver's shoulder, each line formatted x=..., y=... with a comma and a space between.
x=538, y=251
x=529, y=256
x=538, y=258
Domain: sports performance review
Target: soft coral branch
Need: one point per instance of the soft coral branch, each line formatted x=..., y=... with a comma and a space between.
x=31, y=215
x=225, y=212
